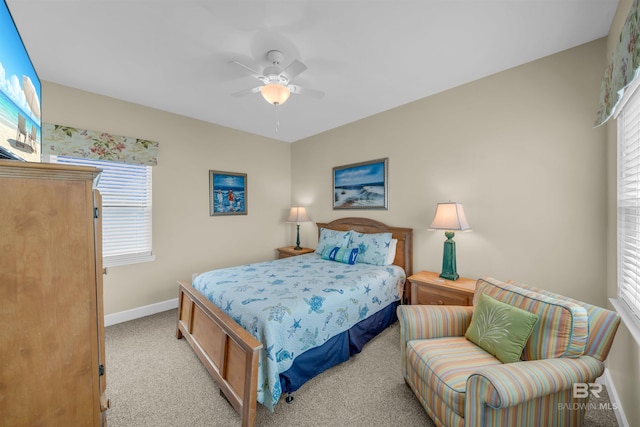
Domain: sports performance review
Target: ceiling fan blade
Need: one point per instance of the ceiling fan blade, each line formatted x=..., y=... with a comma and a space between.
x=246, y=92
x=247, y=70
x=318, y=94
x=293, y=69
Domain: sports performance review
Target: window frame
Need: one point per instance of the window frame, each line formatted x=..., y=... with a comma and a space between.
x=627, y=303
x=145, y=242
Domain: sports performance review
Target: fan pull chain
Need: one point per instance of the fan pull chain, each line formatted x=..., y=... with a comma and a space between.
x=277, y=116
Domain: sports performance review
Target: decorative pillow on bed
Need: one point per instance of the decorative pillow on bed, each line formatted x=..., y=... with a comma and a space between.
x=373, y=248
x=332, y=238
x=341, y=254
x=391, y=255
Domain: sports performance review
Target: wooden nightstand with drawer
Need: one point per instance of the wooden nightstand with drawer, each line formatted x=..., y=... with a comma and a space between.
x=428, y=288
x=288, y=251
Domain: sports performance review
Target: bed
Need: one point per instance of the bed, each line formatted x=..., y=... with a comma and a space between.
x=264, y=329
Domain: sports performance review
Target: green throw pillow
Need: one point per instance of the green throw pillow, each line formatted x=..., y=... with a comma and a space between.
x=500, y=329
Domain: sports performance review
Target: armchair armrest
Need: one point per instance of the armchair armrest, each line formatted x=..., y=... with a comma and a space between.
x=502, y=386
x=433, y=321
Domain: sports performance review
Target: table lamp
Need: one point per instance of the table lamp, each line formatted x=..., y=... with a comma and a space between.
x=298, y=214
x=449, y=217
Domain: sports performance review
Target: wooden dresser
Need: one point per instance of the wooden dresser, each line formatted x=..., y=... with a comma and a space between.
x=428, y=288
x=52, y=337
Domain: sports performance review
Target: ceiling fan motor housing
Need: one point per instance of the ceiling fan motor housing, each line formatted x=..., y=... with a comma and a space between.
x=272, y=73
x=275, y=57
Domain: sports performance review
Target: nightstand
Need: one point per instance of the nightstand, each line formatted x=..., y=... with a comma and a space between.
x=288, y=251
x=428, y=288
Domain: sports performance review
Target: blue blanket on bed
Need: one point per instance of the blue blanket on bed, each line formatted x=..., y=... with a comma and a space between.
x=294, y=304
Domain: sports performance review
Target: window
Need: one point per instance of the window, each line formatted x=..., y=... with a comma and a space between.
x=629, y=203
x=126, y=210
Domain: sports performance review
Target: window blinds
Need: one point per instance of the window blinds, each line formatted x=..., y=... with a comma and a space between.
x=629, y=204
x=126, y=210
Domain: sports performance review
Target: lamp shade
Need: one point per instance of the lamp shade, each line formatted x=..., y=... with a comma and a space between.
x=298, y=214
x=449, y=216
x=275, y=93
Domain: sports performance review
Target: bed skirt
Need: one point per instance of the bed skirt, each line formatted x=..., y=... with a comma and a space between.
x=337, y=349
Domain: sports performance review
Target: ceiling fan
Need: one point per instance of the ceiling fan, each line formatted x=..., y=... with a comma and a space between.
x=276, y=87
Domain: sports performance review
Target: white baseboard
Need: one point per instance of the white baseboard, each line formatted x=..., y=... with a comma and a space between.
x=136, y=313
x=615, y=399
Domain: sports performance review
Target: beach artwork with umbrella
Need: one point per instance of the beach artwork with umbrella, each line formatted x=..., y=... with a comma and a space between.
x=20, y=95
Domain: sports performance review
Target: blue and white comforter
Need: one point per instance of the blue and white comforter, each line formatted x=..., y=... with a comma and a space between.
x=294, y=304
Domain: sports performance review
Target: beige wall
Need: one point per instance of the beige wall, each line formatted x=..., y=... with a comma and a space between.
x=624, y=360
x=185, y=238
x=518, y=149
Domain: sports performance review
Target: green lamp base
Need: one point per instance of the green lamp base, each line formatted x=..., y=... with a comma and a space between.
x=298, y=247
x=449, y=258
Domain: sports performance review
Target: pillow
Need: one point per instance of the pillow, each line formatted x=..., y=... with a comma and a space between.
x=563, y=326
x=373, y=248
x=340, y=254
x=500, y=329
x=332, y=238
x=391, y=255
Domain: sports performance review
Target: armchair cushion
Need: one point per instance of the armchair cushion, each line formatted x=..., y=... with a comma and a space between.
x=600, y=319
x=500, y=329
x=444, y=365
x=562, y=329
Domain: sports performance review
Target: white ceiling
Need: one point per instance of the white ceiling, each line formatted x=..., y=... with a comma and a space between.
x=367, y=56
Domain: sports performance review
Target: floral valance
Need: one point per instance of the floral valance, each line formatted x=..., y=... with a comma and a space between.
x=623, y=67
x=86, y=144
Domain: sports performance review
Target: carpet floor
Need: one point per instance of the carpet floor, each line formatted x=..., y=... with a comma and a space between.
x=156, y=380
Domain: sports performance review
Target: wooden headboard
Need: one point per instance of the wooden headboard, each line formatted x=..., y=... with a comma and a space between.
x=404, y=249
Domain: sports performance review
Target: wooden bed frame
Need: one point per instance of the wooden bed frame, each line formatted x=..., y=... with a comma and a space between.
x=228, y=351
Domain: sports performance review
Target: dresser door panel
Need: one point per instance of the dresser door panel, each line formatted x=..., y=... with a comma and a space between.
x=48, y=303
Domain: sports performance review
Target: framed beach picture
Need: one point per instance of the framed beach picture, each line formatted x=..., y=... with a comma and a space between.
x=361, y=185
x=227, y=193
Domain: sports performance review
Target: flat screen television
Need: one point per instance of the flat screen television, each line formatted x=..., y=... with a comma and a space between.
x=20, y=96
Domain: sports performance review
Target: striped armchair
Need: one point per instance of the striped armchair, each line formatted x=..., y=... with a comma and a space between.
x=460, y=384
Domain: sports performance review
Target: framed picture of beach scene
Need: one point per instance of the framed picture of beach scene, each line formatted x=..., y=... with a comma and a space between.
x=361, y=185
x=227, y=193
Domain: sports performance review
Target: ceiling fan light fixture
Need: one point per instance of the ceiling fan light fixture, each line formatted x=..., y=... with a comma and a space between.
x=275, y=93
